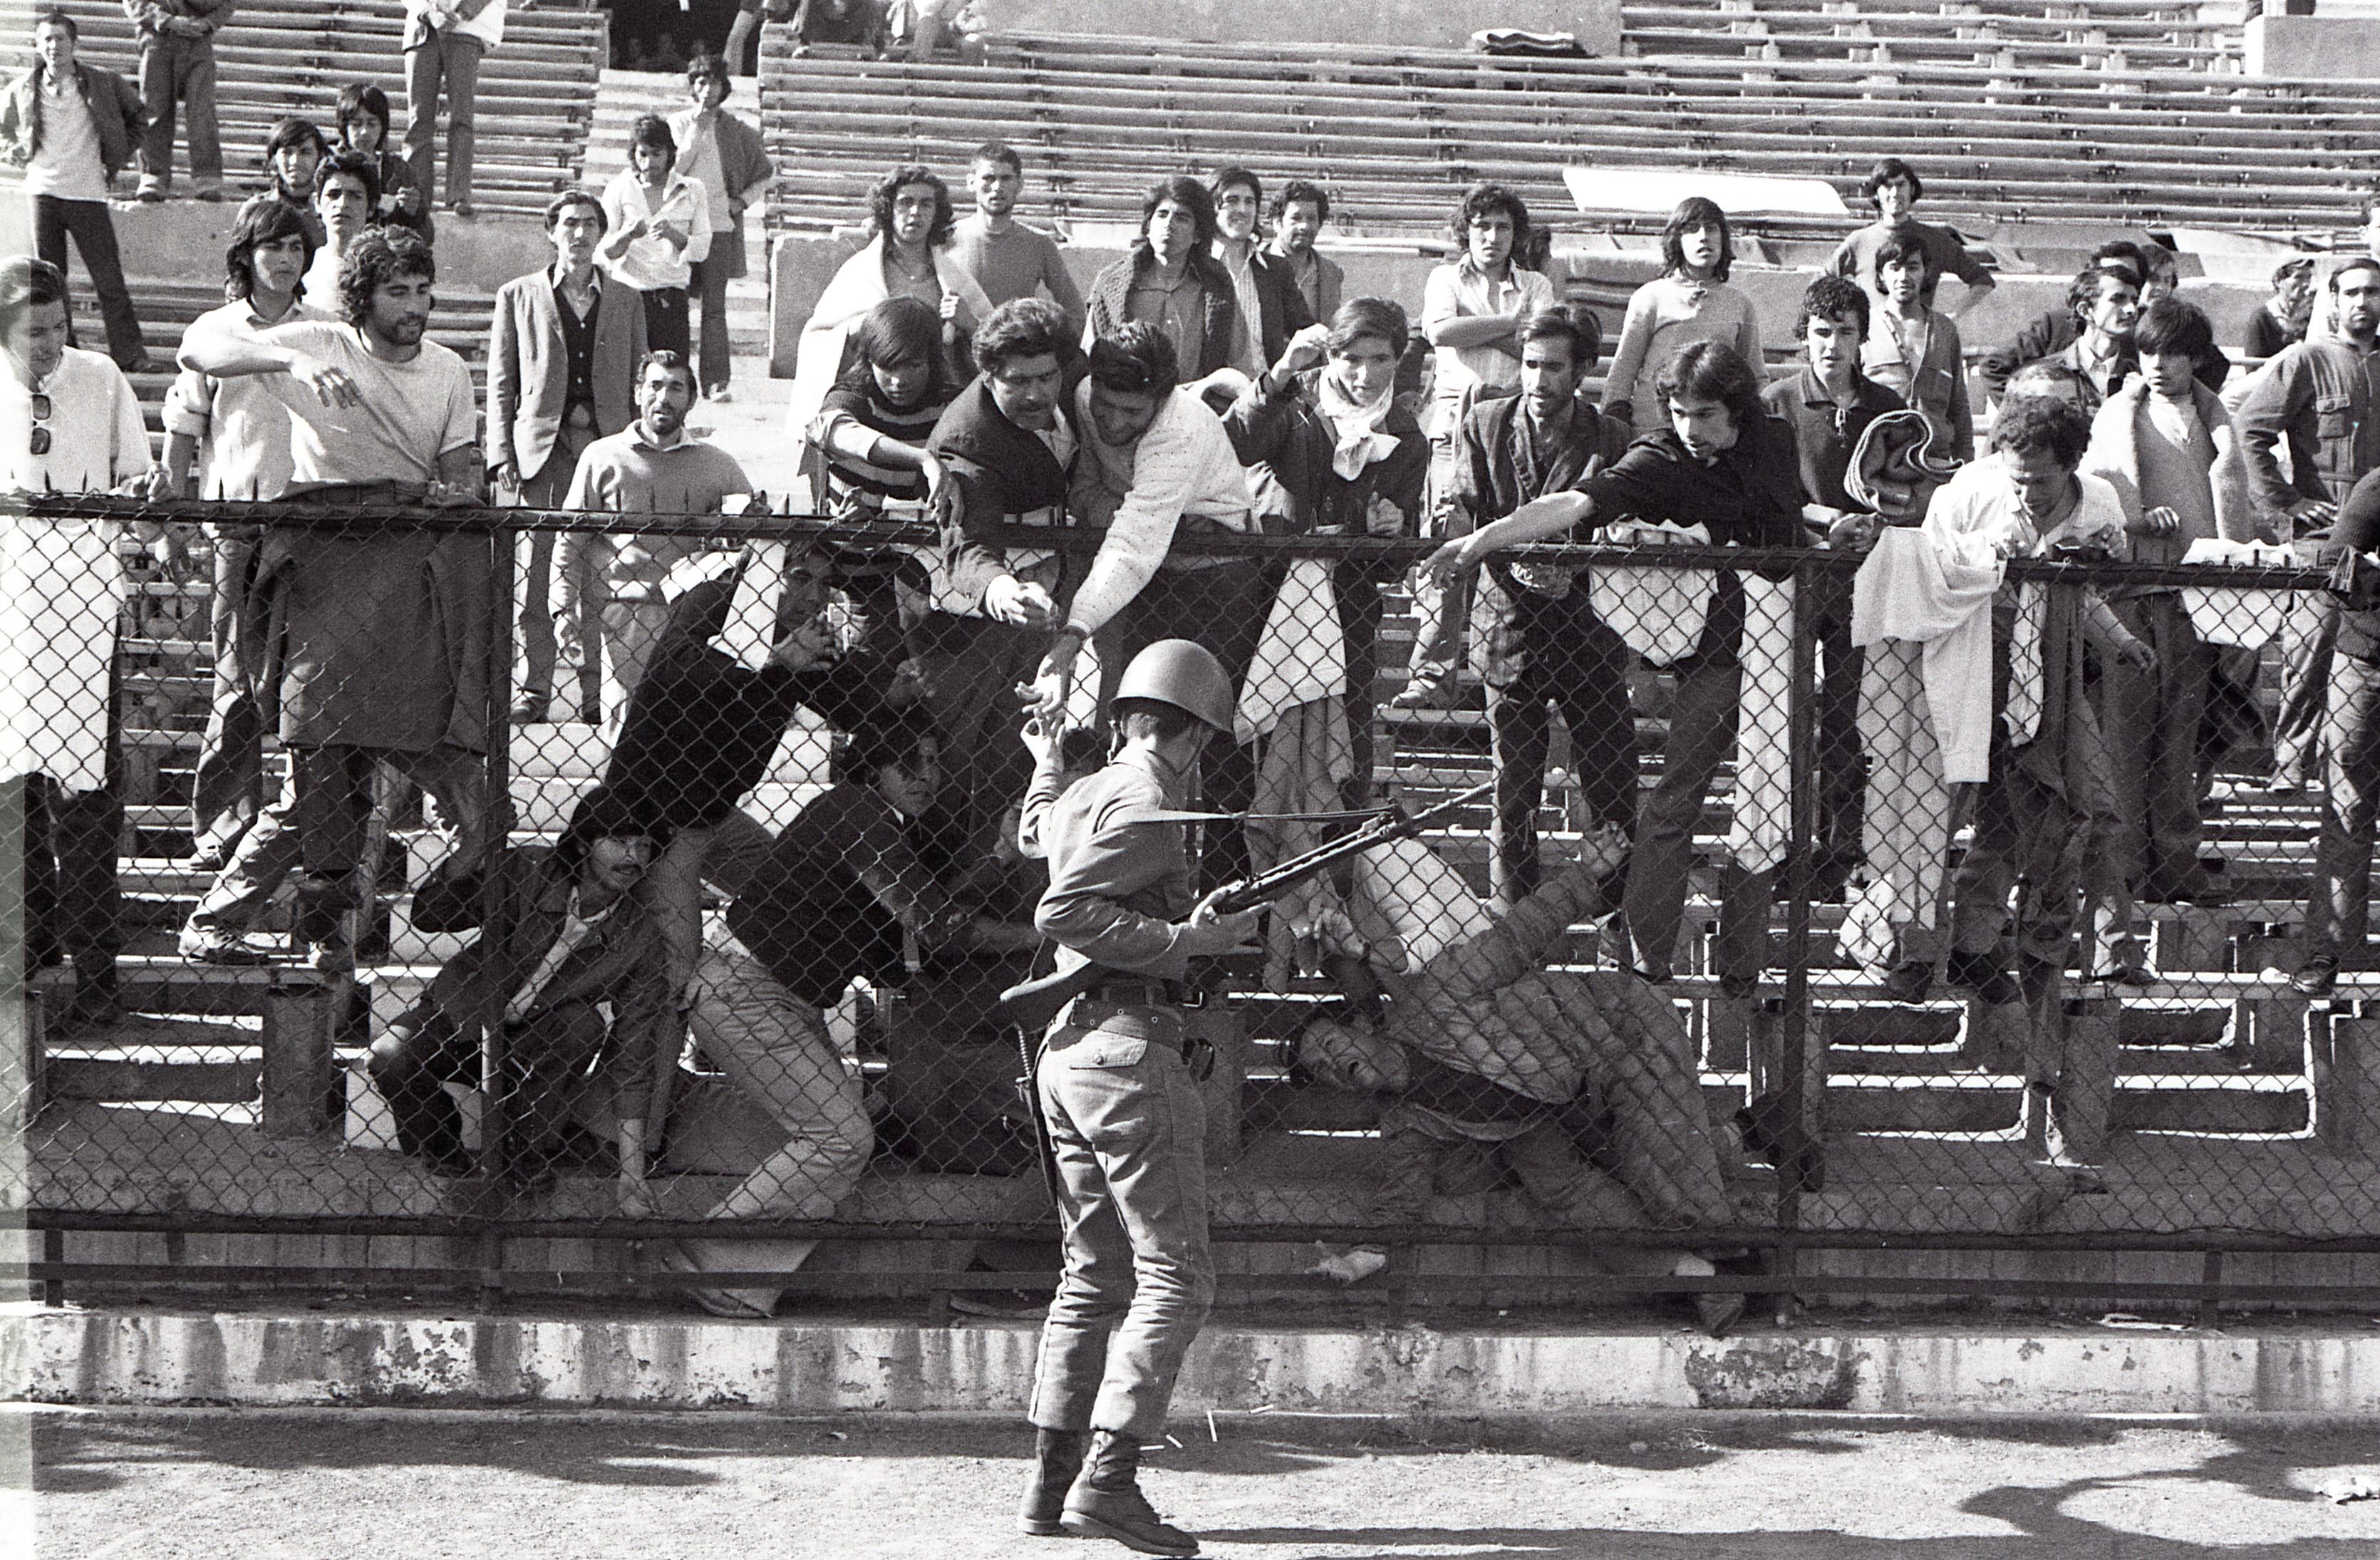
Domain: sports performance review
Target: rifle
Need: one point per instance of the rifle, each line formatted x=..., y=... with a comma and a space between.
x=1026, y=1009
x=1030, y=1006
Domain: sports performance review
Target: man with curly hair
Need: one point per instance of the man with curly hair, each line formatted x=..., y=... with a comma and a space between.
x=378, y=645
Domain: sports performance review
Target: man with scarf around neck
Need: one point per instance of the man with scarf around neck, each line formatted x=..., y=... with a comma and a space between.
x=1155, y=471
x=1541, y=645
x=1721, y=463
x=1006, y=446
x=1330, y=453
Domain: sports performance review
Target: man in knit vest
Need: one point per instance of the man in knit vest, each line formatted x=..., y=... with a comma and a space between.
x=651, y=467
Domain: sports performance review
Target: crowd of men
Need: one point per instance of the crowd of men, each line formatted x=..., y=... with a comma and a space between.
x=1215, y=385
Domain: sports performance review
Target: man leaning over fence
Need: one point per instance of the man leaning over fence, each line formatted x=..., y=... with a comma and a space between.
x=69, y=423
x=378, y=631
x=2165, y=445
x=1542, y=644
x=2042, y=821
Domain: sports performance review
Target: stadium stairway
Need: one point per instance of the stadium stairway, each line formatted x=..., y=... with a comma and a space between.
x=279, y=57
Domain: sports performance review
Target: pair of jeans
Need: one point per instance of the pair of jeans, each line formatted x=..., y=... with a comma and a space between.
x=716, y=364
x=2308, y=645
x=2048, y=848
x=2152, y=722
x=533, y=661
x=183, y=68
x=227, y=788
x=94, y=232
x=1573, y=662
x=2338, y=904
x=1660, y=867
x=666, y=327
x=1127, y=1130
x=69, y=903
x=451, y=55
x=775, y=1049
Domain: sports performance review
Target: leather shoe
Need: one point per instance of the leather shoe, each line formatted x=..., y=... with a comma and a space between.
x=1106, y=1502
x=1982, y=974
x=1057, y=1460
x=2137, y=975
x=2316, y=976
x=1909, y=982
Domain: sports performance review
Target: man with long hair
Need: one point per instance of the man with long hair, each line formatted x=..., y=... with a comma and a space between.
x=380, y=642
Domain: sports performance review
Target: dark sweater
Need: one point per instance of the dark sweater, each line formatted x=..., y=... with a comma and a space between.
x=701, y=729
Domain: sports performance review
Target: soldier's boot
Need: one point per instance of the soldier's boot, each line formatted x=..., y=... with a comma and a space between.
x=1057, y=1458
x=1106, y=1502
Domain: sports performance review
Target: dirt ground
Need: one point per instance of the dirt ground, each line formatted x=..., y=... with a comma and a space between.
x=426, y=1485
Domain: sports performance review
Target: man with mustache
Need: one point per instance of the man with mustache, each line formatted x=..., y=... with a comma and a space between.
x=379, y=645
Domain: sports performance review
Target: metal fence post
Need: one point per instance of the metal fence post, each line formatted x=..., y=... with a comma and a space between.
x=496, y=831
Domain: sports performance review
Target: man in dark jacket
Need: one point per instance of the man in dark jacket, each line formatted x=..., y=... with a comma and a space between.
x=66, y=129
x=1006, y=448
x=1541, y=644
x=573, y=937
x=1272, y=308
x=1724, y=465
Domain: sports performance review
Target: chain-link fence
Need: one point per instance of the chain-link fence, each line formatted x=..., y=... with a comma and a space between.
x=395, y=877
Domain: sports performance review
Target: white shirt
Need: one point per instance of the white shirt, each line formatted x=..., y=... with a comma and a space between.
x=1184, y=465
x=487, y=25
x=66, y=166
x=321, y=282
x=409, y=415
x=648, y=264
x=97, y=438
x=61, y=583
x=1459, y=290
x=243, y=430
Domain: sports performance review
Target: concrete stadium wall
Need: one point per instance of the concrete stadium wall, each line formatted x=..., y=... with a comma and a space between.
x=2326, y=47
x=1417, y=23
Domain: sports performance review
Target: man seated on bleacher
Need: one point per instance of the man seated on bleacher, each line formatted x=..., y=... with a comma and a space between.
x=1484, y=1053
x=575, y=938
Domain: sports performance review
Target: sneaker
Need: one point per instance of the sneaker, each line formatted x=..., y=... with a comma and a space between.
x=529, y=708
x=2133, y=974
x=331, y=957
x=222, y=948
x=460, y=208
x=2316, y=976
x=721, y=394
x=152, y=191
x=1425, y=693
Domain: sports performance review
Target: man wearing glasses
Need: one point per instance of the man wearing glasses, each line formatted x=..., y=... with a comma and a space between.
x=61, y=586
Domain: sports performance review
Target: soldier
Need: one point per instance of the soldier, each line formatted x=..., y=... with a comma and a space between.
x=1118, y=1085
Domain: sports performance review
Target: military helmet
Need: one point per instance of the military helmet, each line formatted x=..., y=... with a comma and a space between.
x=1183, y=674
